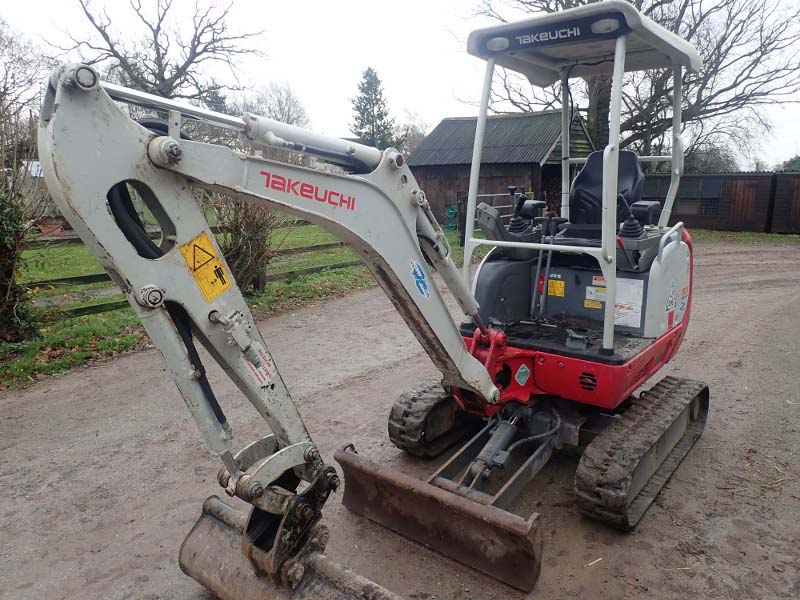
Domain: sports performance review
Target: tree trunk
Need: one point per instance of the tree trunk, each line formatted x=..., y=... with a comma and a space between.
x=260, y=281
x=599, y=92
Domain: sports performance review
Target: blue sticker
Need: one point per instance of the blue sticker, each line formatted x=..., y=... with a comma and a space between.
x=420, y=279
x=523, y=373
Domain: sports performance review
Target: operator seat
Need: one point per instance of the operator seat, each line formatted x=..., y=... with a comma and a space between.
x=586, y=195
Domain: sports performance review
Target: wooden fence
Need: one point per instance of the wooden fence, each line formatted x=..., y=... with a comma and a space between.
x=762, y=201
x=79, y=280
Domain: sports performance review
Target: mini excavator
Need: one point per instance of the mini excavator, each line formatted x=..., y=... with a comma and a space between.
x=566, y=317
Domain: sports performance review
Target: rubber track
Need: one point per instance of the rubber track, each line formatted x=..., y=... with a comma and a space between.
x=608, y=464
x=408, y=421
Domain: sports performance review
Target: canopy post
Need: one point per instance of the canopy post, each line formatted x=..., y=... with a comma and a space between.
x=475, y=171
x=610, y=173
x=677, y=146
x=566, y=122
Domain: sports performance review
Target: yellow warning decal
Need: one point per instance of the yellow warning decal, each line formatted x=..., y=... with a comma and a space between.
x=206, y=267
x=555, y=287
x=592, y=304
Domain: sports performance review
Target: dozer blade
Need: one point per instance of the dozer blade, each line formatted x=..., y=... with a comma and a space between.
x=212, y=555
x=498, y=543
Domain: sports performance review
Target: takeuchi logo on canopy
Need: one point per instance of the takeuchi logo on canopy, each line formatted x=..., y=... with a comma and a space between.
x=547, y=36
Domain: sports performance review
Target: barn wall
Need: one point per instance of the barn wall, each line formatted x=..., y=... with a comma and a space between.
x=786, y=208
x=444, y=184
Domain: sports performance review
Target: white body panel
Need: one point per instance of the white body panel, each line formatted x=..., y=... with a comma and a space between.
x=668, y=290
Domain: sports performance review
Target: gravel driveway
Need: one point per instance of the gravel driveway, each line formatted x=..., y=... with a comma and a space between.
x=102, y=472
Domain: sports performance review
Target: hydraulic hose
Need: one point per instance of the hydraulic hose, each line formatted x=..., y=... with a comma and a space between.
x=126, y=217
x=552, y=431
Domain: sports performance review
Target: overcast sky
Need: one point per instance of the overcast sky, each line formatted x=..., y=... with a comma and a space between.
x=321, y=48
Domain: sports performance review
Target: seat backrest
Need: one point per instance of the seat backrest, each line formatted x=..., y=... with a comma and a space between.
x=586, y=195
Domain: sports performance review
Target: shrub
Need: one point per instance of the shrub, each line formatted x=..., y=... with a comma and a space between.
x=16, y=321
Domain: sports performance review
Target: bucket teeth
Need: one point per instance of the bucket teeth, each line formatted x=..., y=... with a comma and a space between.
x=212, y=555
x=498, y=543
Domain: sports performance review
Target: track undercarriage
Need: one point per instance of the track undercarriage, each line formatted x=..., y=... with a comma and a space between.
x=627, y=456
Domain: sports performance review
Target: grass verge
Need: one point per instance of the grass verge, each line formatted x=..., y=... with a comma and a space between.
x=742, y=237
x=68, y=343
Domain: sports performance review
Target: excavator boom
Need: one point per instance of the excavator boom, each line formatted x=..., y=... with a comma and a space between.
x=95, y=158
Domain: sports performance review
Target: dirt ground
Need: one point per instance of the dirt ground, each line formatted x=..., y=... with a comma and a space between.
x=102, y=472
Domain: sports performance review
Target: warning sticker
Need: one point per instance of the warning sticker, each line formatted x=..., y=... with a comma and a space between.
x=555, y=287
x=594, y=292
x=206, y=267
x=628, y=308
x=599, y=280
x=264, y=373
x=671, y=299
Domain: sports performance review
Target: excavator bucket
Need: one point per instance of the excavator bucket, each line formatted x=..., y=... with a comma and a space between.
x=212, y=554
x=484, y=537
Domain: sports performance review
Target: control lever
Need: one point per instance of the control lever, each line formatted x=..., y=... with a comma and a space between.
x=544, y=224
x=553, y=230
x=530, y=208
x=516, y=223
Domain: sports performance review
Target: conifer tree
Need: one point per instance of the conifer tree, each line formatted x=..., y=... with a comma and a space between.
x=371, y=121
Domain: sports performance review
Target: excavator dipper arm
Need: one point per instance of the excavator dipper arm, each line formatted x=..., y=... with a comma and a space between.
x=93, y=155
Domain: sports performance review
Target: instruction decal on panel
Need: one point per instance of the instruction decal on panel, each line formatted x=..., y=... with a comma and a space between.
x=264, y=373
x=206, y=267
x=630, y=294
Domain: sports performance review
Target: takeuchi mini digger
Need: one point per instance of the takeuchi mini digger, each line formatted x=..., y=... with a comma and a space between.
x=567, y=316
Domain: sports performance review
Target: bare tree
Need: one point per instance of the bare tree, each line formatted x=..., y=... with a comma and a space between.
x=410, y=132
x=170, y=58
x=710, y=157
x=158, y=53
x=277, y=101
x=751, y=56
x=759, y=164
x=251, y=238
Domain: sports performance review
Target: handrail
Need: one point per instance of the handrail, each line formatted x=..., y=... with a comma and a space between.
x=664, y=238
x=593, y=250
x=582, y=160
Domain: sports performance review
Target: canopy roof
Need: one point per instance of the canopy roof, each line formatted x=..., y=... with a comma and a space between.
x=582, y=38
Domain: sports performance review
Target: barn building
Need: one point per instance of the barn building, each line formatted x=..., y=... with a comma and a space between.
x=520, y=149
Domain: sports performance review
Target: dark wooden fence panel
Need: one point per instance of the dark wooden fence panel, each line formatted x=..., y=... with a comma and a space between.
x=786, y=209
x=724, y=201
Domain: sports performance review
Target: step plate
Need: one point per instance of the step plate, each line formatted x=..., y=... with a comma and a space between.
x=498, y=543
